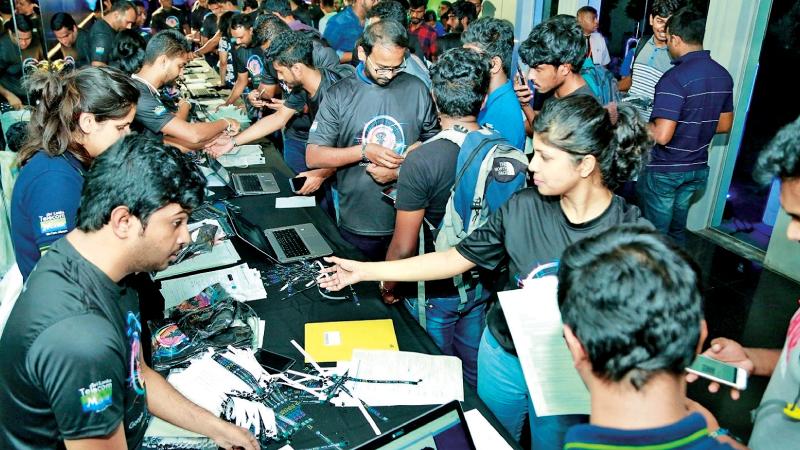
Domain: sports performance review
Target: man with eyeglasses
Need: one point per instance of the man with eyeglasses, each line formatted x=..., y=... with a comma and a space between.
x=363, y=127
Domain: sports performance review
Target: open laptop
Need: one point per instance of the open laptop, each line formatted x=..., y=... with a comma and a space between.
x=246, y=183
x=286, y=244
x=200, y=91
x=440, y=428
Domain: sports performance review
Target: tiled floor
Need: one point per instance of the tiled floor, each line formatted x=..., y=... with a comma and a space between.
x=747, y=303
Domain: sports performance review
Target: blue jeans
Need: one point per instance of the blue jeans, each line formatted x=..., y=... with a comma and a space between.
x=502, y=387
x=665, y=198
x=294, y=153
x=456, y=333
x=373, y=247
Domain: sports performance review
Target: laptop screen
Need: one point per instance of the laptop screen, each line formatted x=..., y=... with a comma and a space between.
x=442, y=428
x=220, y=170
x=251, y=234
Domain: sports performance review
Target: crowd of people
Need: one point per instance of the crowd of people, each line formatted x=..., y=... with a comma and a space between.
x=359, y=97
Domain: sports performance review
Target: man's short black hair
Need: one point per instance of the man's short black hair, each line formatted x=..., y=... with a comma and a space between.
x=281, y=7
x=587, y=10
x=171, y=43
x=556, y=41
x=781, y=157
x=292, y=48
x=120, y=6
x=252, y=4
x=141, y=173
x=464, y=9
x=689, y=24
x=389, y=10
x=385, y=32
x=495, y=37
x=460, y=82
x=139, y=3
x=242, y=20
x=415, y=4
x=665, y=8
x=5, y=7
x=62, y=20
x=21, y=23
x=268, y=27
x=633, y=299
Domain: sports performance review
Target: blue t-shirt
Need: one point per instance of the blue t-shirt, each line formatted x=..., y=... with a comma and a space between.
x=693, y=93
x=44, y=205
x=343, y=30
x=689, y=433
x=503, y=113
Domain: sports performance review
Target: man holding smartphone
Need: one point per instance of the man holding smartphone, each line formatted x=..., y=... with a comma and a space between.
x=773, y=428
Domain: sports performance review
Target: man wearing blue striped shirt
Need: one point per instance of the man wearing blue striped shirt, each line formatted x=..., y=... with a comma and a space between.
x=693, y=101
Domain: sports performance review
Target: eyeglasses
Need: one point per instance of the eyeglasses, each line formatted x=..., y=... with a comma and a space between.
x=387, y=70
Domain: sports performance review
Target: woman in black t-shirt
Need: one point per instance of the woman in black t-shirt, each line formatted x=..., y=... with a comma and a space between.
x=579, y=158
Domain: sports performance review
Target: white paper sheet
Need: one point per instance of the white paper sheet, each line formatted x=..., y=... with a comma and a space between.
x=484, y=435
x=221, y=254
x=535, y=323
x=441, y=378
x=296, y=201
x=241, y=282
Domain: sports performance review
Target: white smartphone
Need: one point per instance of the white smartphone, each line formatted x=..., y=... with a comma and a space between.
x=719, y=371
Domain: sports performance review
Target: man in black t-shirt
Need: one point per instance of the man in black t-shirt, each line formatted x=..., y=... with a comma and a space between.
x=120, y=16
x=18, y=39
x=460, y=84
x=554, y=68
x=209, y=30
x=168, y=17
x=196, y=16
x=249, y=63
x=293, y=57
x=363, y=127
x=74, y=41
x=73, y=369
x=165, y=56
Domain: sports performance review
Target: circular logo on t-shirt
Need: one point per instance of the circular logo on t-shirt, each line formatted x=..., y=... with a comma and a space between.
x=386, y=132
x=135, y=368
x=255, y=65
x=172, y=22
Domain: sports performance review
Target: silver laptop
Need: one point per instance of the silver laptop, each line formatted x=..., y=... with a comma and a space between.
x=284, y=244
x=257, y=183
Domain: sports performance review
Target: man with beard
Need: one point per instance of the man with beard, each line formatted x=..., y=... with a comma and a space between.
x=457, y=20
x=423, y=32
x=363, y=127
x=91, y=389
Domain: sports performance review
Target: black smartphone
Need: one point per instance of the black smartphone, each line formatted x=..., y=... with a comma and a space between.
x=390, y=192
x=520, y=73
x=273, y=362
x=297, y=183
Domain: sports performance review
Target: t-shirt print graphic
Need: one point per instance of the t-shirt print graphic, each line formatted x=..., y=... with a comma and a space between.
x=538, y=270
x=384, y=131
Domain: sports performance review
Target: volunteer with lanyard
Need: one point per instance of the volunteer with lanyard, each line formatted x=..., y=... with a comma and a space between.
x=579, y=158
x=77, y=117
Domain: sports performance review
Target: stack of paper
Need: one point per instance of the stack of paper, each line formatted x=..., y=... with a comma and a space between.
x=241, y=282
x=222, y=254
x=438, y=378
x=243, y=155
x=535, y=323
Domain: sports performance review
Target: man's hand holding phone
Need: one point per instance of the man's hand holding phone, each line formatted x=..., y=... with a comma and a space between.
x=729, y=352
x=382, y=156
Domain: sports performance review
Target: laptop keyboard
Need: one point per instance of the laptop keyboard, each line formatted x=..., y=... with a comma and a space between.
x=250, y=183
x=291, y=243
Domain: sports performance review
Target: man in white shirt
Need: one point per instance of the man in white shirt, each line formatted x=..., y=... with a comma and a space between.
x=596, y=43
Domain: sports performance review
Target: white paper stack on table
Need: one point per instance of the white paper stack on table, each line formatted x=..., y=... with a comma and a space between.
x=484, y=435
x=440, y=378
x=242, y=282
x=535, y=323
x=243, y=155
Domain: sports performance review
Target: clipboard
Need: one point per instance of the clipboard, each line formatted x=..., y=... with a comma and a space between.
x=335, y=341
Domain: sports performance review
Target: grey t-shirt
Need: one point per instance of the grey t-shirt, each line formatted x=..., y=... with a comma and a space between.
x=355, y=111
x=72, y=352
x=772, y=428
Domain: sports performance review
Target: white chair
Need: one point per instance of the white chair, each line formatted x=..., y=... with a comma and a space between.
x=10, y=288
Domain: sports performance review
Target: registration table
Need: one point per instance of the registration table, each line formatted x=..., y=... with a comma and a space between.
x=285, y=317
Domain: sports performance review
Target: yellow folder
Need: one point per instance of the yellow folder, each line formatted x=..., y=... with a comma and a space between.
x=335, y=341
